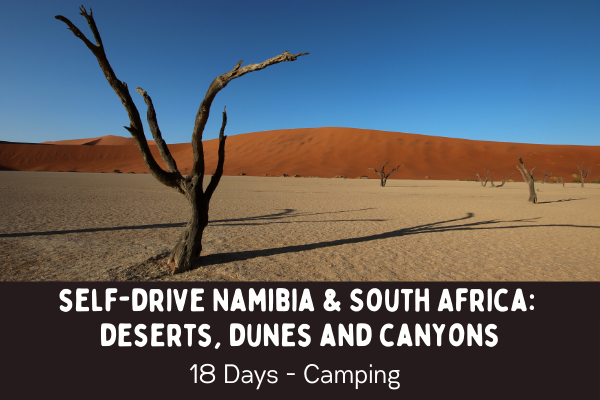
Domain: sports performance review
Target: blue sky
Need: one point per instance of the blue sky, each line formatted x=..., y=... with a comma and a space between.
x=511, y=71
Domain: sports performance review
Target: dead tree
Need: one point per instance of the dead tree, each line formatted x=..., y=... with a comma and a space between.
x=189, y=245
x=528, y=177
x=382, y=173
x=487, y=177
x=583, y=175
x=563, y=181
x=546, y=174
x=503, y=181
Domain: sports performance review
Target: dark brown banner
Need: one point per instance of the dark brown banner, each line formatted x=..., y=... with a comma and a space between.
x=407, y=340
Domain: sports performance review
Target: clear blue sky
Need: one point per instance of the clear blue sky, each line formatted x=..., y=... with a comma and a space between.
x=512, y=71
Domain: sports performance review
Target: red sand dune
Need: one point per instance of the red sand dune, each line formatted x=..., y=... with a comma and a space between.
x=109, y=140
x=324, y=152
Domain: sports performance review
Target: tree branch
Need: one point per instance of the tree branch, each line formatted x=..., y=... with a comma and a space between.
x=523, y=170
x=377, y=172
x=531, y=172
x=487, y=177
x=523, y=175
x=214, y=181
x=394, y=170
x=581, y=174
x=165, y=153
x=503, y=180
x=78, y=33
x=90, y=20
x=217, y=84
x=136, y=128
x=546, y=174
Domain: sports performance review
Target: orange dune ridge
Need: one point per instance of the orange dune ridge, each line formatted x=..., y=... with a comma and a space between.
x=108, y=140
x=323, y=152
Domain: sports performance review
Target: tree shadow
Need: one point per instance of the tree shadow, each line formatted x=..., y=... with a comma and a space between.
x=434, y=227
x=401, y=186
x=286, y=213
x=114, y=228
x=559, y=201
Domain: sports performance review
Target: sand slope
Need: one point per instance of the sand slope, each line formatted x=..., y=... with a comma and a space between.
x=108, y=140
x=324, y=152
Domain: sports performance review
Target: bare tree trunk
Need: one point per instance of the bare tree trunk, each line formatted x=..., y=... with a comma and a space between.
x=563, y=181
x=582, y=174
x=532, y=194
x=528, y=177
x=189, y=245
x=487, y=176
x=382, y=175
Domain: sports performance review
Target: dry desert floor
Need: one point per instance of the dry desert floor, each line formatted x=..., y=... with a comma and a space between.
x=116, y=227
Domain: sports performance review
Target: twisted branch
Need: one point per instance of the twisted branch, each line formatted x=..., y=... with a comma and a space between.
x=503, y=180
x=214, y=181
x=527, y=176
x=165, y=153
x=546, y=174
x=136, y=129
x=217, y=84
x=382, y=175
x=581, y=173
x=487, y=177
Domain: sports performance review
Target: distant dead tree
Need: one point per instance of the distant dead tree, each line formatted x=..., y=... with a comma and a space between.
x=546, y=174
x=487, y=177
x=189, y=245
x=382, y=173
x=563, y=181
x=583, y=175
x=528, y=177
x=503, y=181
